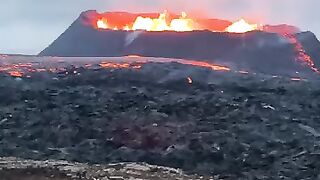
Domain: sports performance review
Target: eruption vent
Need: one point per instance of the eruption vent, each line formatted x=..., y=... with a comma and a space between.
x=241, y=26
x=162, y=23
x=102, y=23
x=166, y=23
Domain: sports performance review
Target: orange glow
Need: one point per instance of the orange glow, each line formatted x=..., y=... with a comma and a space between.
x=102, y=23
x=133, y=56
x=129, y=62
x=162, y=23
x=241, y=26
x=301, y=54
x=119, y=65
x=182, y=24
x=205, y=64
x=126, y=28
x=114, y=65
x=168, y=22
x=15, y=73
x=138, y=64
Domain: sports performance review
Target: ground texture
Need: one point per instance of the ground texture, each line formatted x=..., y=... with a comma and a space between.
x=224, y=124
x=18, y=169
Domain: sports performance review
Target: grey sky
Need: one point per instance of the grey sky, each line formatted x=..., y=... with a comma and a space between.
x=28, y=26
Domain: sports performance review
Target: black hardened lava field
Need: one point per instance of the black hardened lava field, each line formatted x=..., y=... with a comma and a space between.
x=160, y=90
x=229, y=125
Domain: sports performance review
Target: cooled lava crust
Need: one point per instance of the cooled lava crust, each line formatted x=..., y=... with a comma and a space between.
x=225, y=124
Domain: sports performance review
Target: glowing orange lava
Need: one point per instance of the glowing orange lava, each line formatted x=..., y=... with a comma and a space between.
x=15, y=73
x=119, y=65
x=133, y=56
x=165, y=22
x=160, y=24
x=154, y=24
x=241, y=26
x=102, y=23
x=301, y=54
x=205, y=64
x=26, y=69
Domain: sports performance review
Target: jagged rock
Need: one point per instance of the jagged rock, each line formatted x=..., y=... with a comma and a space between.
x=19, y=169
x=230, y=125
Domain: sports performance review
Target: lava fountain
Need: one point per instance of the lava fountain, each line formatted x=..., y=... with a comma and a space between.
x=241, y=26
x=164, y=23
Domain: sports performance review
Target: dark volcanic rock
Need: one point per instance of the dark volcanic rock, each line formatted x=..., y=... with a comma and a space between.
x=311, y=44
x=18, y=169
x=255, y=51
x=224, y=124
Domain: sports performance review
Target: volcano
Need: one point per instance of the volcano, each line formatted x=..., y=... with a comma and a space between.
x=281, y=49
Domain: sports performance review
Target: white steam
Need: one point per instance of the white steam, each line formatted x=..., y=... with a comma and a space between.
x=132, y=36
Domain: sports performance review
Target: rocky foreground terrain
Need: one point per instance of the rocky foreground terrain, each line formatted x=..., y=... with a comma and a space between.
x=224, y=124
x=18, y=169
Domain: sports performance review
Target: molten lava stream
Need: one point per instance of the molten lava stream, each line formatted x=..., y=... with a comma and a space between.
x=204, y=64
x=121, y=65
x=302, y=55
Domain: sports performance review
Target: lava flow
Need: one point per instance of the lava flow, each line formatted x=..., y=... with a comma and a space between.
x=115, y=65
x=60, y=66
x=301, y=55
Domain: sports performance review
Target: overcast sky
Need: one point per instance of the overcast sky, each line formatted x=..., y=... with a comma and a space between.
x=28, y=26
